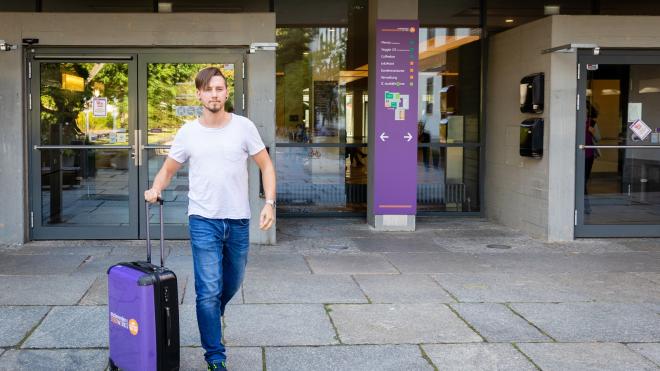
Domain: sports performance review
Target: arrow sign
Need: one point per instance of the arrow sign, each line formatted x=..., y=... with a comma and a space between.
x=408, y=137
x=383, y=136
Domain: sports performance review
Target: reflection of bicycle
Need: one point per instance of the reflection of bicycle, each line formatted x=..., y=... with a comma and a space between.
x=314, y=153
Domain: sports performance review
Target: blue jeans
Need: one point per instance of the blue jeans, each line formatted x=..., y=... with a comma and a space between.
x=220, y=250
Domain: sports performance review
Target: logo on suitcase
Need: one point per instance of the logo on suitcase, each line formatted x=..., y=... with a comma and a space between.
x=131, y=325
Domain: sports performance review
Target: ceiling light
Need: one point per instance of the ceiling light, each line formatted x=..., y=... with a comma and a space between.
x=551, y=9
x=164, y=7
x=508, y=20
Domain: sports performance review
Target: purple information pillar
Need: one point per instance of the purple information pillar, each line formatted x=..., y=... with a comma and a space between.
x=395, y=162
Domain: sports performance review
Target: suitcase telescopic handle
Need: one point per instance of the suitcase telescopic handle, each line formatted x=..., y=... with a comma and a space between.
x=162, y=235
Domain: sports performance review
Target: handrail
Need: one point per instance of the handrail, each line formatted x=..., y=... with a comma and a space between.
x=582, y=146
x=83, y=146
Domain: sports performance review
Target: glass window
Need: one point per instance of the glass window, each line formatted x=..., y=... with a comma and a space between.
x=321, y=120
x=448, y=119
x=315, y=90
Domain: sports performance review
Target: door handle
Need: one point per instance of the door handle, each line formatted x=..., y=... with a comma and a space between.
x=140, y=147
x=136, y=155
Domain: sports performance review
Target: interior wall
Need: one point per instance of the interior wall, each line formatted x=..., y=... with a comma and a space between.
x=516, y=188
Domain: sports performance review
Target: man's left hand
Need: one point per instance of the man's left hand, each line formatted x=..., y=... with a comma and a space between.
x=267, y=217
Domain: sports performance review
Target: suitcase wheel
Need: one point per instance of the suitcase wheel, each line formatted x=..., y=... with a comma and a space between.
x=112, y=366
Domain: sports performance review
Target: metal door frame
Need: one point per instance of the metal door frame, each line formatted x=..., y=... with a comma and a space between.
x=606, y=56
x=235, y=56
x=137, y=60
x=34, y=58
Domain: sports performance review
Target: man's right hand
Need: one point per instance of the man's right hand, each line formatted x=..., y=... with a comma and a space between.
x=151, y=195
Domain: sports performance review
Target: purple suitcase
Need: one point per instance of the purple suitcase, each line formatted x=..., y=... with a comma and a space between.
x=143, y=313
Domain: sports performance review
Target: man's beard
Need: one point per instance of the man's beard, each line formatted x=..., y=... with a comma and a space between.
x=213, y=109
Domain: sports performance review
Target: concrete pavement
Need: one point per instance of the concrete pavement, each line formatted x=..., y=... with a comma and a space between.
x=334, y=295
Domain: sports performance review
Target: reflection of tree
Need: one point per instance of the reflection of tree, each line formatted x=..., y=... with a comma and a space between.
x=172, y=84
x=294, y=76
x=330, y=58
x=60, y=107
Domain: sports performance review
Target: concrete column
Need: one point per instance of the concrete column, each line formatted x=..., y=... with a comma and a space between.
x=261, y=110
x=13, y=202
x=383, y=9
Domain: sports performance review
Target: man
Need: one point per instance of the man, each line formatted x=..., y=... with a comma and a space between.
x=217, y=145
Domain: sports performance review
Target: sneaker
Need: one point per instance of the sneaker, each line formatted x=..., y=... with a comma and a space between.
x=220, y=366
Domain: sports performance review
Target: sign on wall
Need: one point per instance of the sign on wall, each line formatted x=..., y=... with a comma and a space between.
x=395, y=162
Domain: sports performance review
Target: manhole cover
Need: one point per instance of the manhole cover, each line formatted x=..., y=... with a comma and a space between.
x=497, y=246
x=336, y=247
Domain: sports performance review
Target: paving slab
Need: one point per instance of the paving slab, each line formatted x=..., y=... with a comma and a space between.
x=282, y=247
x=641, y=244
x=354, y=358
x=188, y=330
x=99, y=264
x=43, y=290
x=496, y=323
x=490, y=231
x=397, y=244
x=403, y=288
x=181, y=249
x=508, y=287
x=651, y=276
x=69, y=327
x=585, y=357
x=610, y=287
x=282, y=263
x=16, y=322
x=615, y=287
x=181, y=265
x=423, y=263
x=321, y=245
x=399, y=324
x=55, y=360
x=617, y=262
x=591, y=322
x=588, y=246
x=481, y=357
x=139, y=249
x=650, y=351
x=537, y=263
x=479, y=245
x=351, y=264
x=435, y=224
x=278, y=325
x=238, y=359
x=190, y=295
x=85, y=250
x=13, y=264
x=301, y=288
x=293, y=229
x=98, y=292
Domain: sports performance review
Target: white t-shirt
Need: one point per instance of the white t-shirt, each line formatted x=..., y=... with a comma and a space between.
x=218, y=176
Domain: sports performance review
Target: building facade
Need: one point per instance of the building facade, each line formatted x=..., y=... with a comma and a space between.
x=91, y=97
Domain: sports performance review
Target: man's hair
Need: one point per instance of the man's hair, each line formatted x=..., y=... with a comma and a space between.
x=205, y=75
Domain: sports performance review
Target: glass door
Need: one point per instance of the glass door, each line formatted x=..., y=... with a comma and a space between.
x=167, y=101
x=618, y=151
x=82, y=147
x=101, y=124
